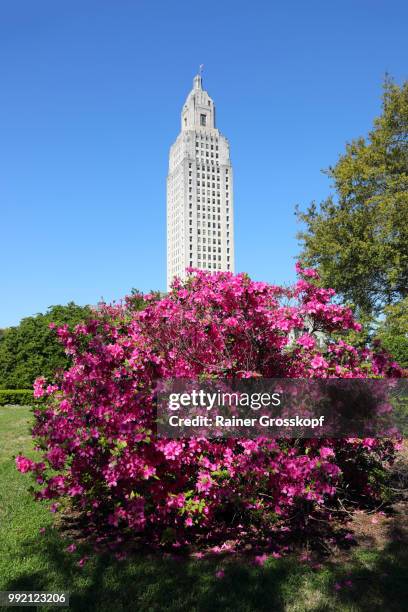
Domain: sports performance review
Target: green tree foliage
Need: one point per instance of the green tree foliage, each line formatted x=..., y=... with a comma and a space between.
x=358, y=237
x=393, y=331
x=31, y=349
x=137, y=300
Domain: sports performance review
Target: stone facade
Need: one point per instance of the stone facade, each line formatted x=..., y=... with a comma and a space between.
x=200, y=226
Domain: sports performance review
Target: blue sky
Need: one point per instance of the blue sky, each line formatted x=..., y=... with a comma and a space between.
x=91, y=92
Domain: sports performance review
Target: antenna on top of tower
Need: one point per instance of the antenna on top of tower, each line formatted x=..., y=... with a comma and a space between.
x=200, y=70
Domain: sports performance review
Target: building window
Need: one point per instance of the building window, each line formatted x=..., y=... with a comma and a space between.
x=203, y=120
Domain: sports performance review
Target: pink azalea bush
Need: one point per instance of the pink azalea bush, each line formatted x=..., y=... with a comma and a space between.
x=96, y=433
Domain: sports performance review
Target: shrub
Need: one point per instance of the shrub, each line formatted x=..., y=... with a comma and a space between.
x=18, y=397
x=97, y=436
x=30, y=349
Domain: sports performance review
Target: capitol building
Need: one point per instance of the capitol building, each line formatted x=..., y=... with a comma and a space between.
x=200, y=226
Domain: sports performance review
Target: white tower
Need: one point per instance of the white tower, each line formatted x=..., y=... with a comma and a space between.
x=200, y=226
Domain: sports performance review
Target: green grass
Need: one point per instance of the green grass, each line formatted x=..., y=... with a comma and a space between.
x=29, y=561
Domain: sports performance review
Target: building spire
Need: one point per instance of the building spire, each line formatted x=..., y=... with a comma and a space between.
x=198, y=82
x=198, y=79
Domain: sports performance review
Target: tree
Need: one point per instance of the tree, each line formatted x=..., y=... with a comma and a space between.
x=358, y=237
x=30, y=349
x=393, y=331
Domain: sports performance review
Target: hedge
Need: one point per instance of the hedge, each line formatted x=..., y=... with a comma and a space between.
x=22, y=397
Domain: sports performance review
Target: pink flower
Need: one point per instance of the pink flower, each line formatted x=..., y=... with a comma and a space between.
x=56, y=457
x=172, y=450
x=204, y=482
x=71, y=548
x=50, y=389
x=306, y=340
x=82, y=561
x=198, y=555
x=261, y=559
x=76, y=490
x=220, y=573
x=309, y=272
x=23, y=464
x=318, y=362
x=326, y=451
x=39, y=387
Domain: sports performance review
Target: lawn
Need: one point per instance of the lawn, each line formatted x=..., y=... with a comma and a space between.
x=30, y=561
